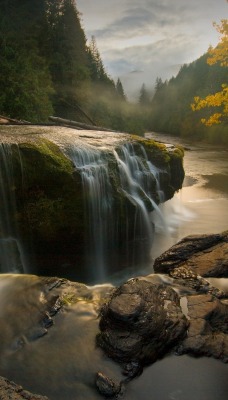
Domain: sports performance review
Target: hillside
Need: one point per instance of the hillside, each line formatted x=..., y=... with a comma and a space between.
x=170, y=109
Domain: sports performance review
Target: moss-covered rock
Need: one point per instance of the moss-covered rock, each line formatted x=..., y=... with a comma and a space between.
x=52, y=212
x=50, y=205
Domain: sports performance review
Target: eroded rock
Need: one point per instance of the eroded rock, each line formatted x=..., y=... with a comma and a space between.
x=208, y=327
x=141, y=322
x=206, y=255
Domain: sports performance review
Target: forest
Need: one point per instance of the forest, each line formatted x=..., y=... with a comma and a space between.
x=49, y=67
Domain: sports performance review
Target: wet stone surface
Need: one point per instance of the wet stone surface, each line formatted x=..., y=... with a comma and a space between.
x=141, y=322
x=206, y=255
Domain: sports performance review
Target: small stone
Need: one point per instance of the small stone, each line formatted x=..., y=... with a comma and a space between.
x=106, y=386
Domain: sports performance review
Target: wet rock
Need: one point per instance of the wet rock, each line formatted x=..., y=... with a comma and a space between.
x=131, y=370
x=106, y=386
x=141, y=322
x=208, y=328
x=206, y=255
x=9, y=390
x=185, y=277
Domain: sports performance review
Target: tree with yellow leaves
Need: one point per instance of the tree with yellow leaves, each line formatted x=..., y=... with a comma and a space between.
x=219, y=54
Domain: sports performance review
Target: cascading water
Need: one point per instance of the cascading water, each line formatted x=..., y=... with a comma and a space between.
x=134, y=181
x=140, y=180
x=11, y=253
x=98, y=201
x=138, y=185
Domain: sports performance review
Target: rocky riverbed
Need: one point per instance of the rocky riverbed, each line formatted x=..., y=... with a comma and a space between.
x=49, y=322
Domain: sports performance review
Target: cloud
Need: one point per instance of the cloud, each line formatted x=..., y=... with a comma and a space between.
x=150, y=36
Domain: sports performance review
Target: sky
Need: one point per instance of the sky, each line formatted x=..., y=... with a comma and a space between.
x=141, y=40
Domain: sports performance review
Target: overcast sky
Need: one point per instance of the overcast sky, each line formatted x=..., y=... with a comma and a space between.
x=140, y=40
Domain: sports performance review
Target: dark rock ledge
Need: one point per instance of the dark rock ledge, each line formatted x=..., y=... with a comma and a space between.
x=206, y=255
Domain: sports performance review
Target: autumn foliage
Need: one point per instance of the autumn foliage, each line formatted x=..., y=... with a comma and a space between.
x=218, y=100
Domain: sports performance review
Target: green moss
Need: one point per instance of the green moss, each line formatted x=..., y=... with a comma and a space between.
x=52, y=157
x=157, y=152
x=178, y=152
x=49, y=195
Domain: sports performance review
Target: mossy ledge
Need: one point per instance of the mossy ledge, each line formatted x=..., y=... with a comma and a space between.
x=50, y=199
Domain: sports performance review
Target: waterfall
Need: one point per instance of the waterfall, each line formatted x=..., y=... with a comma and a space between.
x=107, y=233
x=11, y=253
x=136, y=181
x=98, y=202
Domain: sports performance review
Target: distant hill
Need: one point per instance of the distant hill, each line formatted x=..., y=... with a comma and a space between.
x=170, y=107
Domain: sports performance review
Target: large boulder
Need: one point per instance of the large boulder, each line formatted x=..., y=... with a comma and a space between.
x=141, y=322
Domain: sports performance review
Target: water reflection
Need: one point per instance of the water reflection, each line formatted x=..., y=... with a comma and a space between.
x=181, y=378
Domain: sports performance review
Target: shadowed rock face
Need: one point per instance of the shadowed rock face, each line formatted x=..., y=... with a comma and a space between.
x=141, y=322
x=206, y=255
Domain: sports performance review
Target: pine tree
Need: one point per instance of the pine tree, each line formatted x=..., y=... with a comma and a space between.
x=120, y=90
x=25, y=82
x=144, y=98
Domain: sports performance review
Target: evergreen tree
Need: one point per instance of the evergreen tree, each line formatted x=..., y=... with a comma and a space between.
x=120, y=90
x=144, y=98
x=25, y=82
x=170, y=107
x=97, y=70
x=158, y=85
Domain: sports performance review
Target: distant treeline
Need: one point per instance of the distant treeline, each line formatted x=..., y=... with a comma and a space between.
x=48, y=68
x=170, y=109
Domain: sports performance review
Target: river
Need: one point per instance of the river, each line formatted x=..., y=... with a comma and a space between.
x=63, y=363
x=201, y=206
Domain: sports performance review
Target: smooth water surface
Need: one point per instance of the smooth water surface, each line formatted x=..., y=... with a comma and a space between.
x=200, y=207
x=62, y=364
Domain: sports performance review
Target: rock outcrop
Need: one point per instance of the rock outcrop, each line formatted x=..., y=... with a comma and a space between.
x=206, y=255
x=51, y=218
x=189, y=263
x=208, y=327
x=141, y=322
